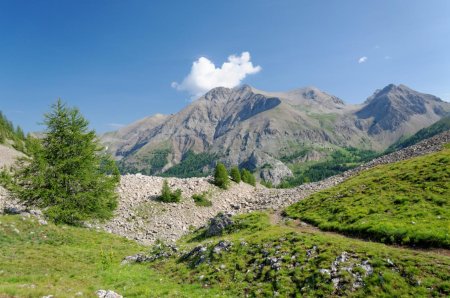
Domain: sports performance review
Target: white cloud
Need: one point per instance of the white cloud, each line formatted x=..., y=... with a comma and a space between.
x=362, y=59
x=205, y=75
x=387, y=57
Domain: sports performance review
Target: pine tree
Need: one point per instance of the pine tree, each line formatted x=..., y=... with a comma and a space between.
x=235, y=174
x=221, y=178
x=66, y=172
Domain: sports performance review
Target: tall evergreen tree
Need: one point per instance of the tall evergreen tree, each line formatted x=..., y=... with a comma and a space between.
x=221, y=178
x=235, y=174
x=66, y=172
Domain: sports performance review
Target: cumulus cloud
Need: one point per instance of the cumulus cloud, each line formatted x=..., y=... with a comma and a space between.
x=205, y=75
x=362, y=59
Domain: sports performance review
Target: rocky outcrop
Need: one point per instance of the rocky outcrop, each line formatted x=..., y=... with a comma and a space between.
x=218, y=224
x=9, y=204
x=269, y=168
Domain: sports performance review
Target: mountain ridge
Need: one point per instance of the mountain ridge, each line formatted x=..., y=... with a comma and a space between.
x=247, y=126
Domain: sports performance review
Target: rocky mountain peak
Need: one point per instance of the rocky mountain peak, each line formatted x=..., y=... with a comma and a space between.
x=394, y=105
x=229, y=94
x=218, y=93
x=402, y=92
x=312, y=94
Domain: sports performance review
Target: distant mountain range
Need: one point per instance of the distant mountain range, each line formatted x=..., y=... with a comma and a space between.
x=267, y=131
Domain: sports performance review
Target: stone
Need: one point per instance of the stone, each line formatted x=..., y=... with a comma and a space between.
x=107, y=294
x=42, y=222
x=218, y=224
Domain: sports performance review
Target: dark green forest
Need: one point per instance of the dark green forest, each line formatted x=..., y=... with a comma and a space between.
x=339, y=161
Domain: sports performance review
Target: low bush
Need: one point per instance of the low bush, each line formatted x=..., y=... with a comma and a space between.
x=169, y=196
x=202, y=199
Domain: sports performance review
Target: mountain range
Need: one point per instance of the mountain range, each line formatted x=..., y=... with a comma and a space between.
x=259, y=130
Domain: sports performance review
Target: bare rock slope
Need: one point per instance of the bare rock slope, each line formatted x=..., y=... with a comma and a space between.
x=8, y=156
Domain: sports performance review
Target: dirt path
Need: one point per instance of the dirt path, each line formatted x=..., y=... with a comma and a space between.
x=276, y=218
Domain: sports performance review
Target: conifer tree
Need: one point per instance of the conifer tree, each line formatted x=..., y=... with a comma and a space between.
x=66, y=172
x=235, y=174
x=221, y=178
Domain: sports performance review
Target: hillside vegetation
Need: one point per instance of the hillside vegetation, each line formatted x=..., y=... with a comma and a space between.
x=407, y=202
x=62, y=261
x=425, y=133
x=339, y=161
x=256, y=259
x=11, y=134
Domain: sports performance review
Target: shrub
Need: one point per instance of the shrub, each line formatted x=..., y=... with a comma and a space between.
x=221, y=178
x=169, y=196
x=248, y=177
x=235, y=174
x=66, y=173
x=202, y=199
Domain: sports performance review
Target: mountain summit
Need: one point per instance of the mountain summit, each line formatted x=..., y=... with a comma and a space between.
x=258, y=129
x=399, y=110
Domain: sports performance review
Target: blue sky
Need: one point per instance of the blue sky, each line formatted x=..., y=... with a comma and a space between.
x=116, y=60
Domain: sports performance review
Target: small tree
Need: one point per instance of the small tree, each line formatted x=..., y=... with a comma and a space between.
x=221, y=178
x=235, y=174
x=66, y=173
x=167, y=196
x=248, y=177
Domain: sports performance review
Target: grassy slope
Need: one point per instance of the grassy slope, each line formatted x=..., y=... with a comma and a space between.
x=61, y=261
x=246, y=269
x=406, y=202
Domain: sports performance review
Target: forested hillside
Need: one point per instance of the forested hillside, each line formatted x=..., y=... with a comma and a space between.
x=10, y=134
x=425, y=133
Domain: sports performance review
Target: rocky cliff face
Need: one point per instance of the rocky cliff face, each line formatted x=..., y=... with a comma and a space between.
x=252, y=128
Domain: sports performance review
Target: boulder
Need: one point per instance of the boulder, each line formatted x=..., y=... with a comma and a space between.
x=218, y=224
